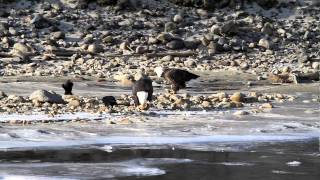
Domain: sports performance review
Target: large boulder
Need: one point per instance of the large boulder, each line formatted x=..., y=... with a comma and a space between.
x=46, y=96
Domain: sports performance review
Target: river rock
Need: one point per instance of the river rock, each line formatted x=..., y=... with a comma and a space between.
x=169, y=27
x=94, y=48
x=124, y=46
x=165, y=37
x=229, y=28
x=240, y=113
x=74, y=103
x=46, y=96
x=175, y=44
x=124, y=79
x=40, y=22
x=264, y=43
x=141, y=49
x=267, y=106
x=2, y=95
x=58, y=35
x=237, y=97
x=177, y=18
x=21, y=48
x=267, y=29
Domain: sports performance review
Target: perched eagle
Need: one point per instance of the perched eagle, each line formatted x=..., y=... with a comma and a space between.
x=109, y=101
x=142, y=91
x=176, y=77
x=67, y=86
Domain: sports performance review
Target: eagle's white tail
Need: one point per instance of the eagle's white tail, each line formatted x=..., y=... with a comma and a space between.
x=142, y=97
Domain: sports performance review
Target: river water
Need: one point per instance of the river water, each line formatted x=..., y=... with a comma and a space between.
x=275, y=159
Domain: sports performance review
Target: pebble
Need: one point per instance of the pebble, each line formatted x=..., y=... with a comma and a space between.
x=170, y=26
x=175, y=44
x=74, y=103
x=241, y=113
x=21, y=48
x=264, y=43
x=94, y=48
x=177, y=18
x=267, y=106
x=237, y=97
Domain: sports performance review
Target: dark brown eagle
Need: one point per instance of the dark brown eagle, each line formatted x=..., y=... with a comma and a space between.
x=67, y=86
x=176, y=77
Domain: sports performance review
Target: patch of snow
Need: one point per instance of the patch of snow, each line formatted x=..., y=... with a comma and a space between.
x=144, y=171
x=236, y=164
x=61, y=117
x=294, y=163
x=17, y=177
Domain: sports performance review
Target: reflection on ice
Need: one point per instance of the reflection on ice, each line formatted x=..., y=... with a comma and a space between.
x=135, y=167
x=32, y=142
x=14, y=177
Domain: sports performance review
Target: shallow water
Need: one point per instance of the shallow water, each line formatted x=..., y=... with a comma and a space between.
x=295, y=159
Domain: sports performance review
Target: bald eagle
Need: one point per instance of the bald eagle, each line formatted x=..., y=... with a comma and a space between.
x=67, y=86
x=176, y=77
x=142, y=91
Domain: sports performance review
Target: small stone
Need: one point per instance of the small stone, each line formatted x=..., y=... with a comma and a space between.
x=74, y=103
x=264, y=43
x=189, y=63
x=152, y=40
x=165, y=37
x=229, y=28
x=94, y=48
x=175, y=44
x=205, y=104
x=240, y=113
x=141, y=49
x=124, y=79
x=124, y=46
x=177, y=18
x=215, y=29
x=21, y=48
x=267, y=106
x=281, y=31
x=58, y=35
x=40, y=22
x=125, y=121
x=2, y=95
x=315, y=65
x=167, y=58
x=13, y=31
x=252, y=45
x=286, y=69
x=237, y=97
x=108, y=39
x=267, y=29
x=169, y=26
x=244, y=66
x=191, y=44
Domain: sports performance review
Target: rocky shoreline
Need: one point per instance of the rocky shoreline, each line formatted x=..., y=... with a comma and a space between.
x=119, y=40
